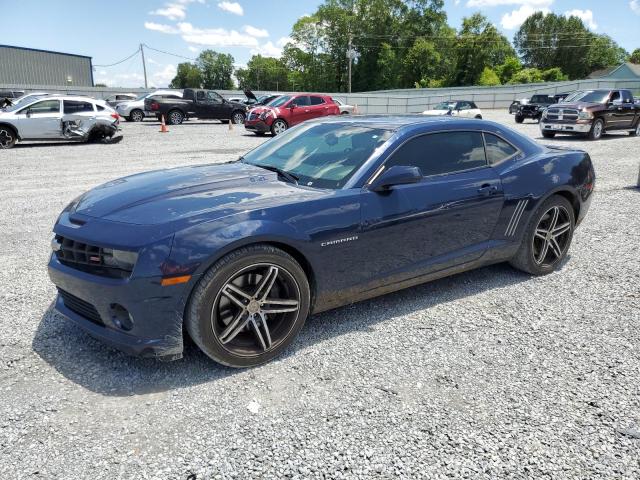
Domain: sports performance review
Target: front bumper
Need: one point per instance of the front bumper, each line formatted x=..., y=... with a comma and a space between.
x=156, y=311
x=257, y=126
x=548, y=126
x=530, y=113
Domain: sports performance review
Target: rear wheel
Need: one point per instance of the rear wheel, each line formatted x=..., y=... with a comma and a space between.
x=547, y=237
x=237, y=118
x=278, y=126
x=8, y=137
x=546, y=134
x=175, y=117
x=519, y=118
x=636, y=132
x=249, y=306
x=479, y=117
x=597, y=129
x=136, y=115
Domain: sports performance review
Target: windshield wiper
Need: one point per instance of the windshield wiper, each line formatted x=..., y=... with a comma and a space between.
x=283, y=173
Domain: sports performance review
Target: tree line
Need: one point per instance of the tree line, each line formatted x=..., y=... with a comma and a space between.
x=406, y=44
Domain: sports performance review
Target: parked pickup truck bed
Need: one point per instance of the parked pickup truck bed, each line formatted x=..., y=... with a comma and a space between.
x=592, y=113
x=205, y=104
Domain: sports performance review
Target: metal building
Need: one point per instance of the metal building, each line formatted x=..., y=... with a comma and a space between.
x=29, y=66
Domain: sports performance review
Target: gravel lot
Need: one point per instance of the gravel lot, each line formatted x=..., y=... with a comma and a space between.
x=487, y=374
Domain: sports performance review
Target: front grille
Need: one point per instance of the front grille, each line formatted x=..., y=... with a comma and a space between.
x=79, y=306
x=85, y=257
x=562, y=114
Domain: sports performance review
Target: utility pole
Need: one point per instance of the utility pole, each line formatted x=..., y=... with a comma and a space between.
x=144, y=65
x=350, y=56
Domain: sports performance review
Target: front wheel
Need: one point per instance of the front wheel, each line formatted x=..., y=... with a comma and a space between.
x=636, y=132
x=546, y=134
x=547, y=237
x=175, y=117
x=249, y=306
x=278, y=126
x=8, y=138
x=519, y=118
x=596, y=130
x=479, y=117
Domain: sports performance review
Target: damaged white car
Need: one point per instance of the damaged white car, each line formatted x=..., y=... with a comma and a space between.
x=58, y=118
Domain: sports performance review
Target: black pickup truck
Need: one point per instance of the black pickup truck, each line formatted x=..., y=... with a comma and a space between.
x=534, y=108
x=592, y=113
x=203, y=104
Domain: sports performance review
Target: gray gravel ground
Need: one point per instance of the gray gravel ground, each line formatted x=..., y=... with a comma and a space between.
x=487, y=374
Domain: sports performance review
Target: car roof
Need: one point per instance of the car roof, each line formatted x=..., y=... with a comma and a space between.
x=395, y=122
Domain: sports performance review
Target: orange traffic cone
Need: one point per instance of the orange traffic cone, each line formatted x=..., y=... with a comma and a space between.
x=163, y=126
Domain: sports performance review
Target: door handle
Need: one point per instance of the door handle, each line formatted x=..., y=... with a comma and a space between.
x=486, y=190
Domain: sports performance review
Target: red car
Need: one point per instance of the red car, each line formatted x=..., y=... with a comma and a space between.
x=287, y=111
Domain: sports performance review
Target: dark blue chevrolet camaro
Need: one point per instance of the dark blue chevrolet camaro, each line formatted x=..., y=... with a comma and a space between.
x=330, y=212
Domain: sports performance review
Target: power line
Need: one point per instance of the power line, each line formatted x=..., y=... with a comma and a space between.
x=121, y=61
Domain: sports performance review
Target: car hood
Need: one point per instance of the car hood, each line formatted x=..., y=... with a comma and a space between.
x=204, y=192
x=249, y=94
x=577, y=105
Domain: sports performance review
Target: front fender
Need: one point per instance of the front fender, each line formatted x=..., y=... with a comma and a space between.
x=201, y=246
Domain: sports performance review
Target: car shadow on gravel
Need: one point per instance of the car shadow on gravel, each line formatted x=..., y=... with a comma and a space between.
x=104, y=370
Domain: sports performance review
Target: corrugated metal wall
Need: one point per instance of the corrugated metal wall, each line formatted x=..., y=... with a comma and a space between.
x=36, y=67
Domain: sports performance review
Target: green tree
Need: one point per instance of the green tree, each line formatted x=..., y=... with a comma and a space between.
x=264, y=73
x=421, y=63
x=217, y=69
x=187, y=76
x=508, y=69
x=548, y=41
x=488, y=78
x=553, y=75
x=527, y=75
x=479, y=45
x=635, y=56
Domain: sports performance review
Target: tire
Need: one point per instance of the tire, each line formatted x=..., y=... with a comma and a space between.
x=546, y=134
x=175, y=117
x=136, y=115
x=238, y=118
x=212, y=314
x=278, y=126
x=479, y=117
x=344, y=113
x=8, y=138
x=597, y=130
x=259, y=134
x=519, y=118
x=636, y=132
x=532, y=257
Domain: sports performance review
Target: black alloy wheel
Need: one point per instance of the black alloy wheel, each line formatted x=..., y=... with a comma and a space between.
x=249, y=306
x=547, y=238
x=7, y=138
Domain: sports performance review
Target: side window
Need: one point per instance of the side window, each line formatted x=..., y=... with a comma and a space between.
x=497, y=149
x=317, y=100
x=99, y=107
x=73, y=106
x=301, y=101
x=464, y=106
x=626, y=97
x=46, y=106
x=214, y=97
x=200, y=95
x=615, y=97
x=440, y=153
x=473, y=105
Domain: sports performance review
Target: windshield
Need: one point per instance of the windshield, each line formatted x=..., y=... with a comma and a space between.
x=541, y=99
x=445, y=106
x=278, y=102
x=590, y=96
x=20, y=102
x=321, y=155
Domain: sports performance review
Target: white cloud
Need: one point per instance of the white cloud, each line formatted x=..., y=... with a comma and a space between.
x=231, y=7
x=635, y=6
x=496, y=3
x=585, y=15
x=267, y=50
x=163, y=77
x=255, y=32
x=514, y=19
x=171, y=11
x=160, y=27
x=282, y=41
x=216, y=37
x=193, y=49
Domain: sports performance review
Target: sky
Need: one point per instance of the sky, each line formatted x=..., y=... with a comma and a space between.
x=111, y=31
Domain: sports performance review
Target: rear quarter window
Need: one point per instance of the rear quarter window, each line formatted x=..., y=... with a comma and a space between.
x=498, y=150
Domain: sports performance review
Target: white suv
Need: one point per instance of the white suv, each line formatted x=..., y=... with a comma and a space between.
x=57, y=117
x=134, y=111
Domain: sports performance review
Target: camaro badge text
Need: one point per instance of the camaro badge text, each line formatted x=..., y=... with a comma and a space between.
x=340, y=240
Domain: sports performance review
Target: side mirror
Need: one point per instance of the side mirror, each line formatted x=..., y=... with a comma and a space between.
x=396, y=175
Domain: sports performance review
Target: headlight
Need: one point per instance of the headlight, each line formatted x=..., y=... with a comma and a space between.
x=585, y=115
x=122, y=259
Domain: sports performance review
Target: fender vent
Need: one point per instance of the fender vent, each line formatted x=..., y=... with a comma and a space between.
x=515, y=218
